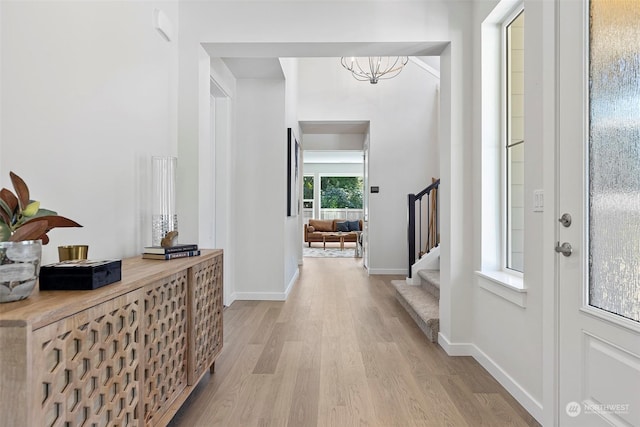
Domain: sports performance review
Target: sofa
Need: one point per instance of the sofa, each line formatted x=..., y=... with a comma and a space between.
x=317, y=229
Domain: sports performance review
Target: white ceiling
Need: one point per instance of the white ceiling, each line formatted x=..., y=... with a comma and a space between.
x=255, y=68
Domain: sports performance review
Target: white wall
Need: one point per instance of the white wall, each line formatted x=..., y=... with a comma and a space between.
x=260, y=188
x=88, y=96
x=317, y=21
x=403, y=136
x=206, y=158
x=224, y=87
x=507, y=337
x=333, y=141
x=456, y=169
x=293, y=225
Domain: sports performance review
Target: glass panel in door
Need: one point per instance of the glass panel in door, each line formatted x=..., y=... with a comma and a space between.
x=614, y=157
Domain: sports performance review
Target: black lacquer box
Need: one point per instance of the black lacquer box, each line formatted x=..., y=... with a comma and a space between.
x=79, y=275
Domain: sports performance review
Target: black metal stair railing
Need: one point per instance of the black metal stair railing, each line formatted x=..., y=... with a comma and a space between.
x=427, y=199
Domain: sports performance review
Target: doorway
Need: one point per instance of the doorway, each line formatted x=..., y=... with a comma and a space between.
x=334, y=191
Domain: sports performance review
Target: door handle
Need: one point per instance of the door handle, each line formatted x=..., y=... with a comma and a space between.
x=565, y=220
x=565, y=248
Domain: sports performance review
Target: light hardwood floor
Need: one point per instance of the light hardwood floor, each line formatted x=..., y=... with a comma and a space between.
x=341, y=351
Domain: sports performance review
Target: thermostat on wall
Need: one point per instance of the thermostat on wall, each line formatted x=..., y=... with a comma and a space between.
x=375, y=189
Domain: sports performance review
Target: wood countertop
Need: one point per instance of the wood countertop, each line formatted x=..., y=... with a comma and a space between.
x=45, y=307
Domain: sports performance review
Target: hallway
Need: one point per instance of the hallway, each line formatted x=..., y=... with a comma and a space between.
x=341, y=351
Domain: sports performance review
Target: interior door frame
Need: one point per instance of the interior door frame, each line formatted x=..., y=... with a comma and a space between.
x=577, y=233
x=365, y=199
x=550, y=51
x=547, y=13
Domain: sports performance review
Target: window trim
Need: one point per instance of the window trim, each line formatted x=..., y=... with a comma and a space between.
x=491, y=274
x=505, y=144
x=505, y=285
x=308, y=175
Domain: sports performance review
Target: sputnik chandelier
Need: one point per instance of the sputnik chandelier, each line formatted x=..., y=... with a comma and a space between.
x=374, y=68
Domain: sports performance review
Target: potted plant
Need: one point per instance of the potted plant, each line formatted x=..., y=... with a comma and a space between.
x=23, y=229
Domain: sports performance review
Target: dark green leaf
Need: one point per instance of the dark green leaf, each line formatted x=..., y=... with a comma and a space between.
x=44, y=212
x=5, y=232
x=4, y=209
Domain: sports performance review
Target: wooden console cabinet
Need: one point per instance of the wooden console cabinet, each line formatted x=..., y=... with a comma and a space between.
x=127, y=354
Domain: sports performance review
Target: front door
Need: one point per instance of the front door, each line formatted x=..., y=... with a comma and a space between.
x=599, y=188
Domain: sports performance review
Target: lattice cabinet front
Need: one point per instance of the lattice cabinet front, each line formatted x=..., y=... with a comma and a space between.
x=165, y=344
x=127, y=354
x=205, y=317
x=86, y=366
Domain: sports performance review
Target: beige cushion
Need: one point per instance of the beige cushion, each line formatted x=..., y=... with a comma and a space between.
x=311, y=229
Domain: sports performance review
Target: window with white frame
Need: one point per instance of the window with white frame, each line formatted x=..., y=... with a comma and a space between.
x=308, y=192
x=513, y=140
x=501, y=252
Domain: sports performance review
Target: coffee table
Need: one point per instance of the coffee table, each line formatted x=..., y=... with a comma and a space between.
x=330, y=234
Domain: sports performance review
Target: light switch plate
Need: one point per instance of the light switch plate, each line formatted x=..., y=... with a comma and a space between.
x=538, y=200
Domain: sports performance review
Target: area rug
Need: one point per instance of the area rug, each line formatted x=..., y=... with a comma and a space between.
x=313, y=252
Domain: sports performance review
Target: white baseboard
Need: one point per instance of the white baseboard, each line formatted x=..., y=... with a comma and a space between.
x=261, y=296
x=268, y=296
x=388, y=271
x=516, y=390
x=455, y=349
x=232, y=298
x=292, y=283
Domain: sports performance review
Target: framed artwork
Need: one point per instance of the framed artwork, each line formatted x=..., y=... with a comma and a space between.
x=293, y=174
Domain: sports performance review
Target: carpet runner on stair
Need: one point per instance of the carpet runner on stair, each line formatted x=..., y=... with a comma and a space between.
x=422, y=302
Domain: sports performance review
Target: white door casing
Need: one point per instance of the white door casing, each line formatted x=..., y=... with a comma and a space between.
x=599, y=352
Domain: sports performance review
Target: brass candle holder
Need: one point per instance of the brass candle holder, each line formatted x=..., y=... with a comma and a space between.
x=72, y=252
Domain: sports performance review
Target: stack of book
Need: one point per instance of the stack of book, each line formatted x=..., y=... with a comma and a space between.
x=172, y=252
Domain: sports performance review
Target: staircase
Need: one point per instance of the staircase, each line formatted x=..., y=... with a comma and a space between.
x=420, y=295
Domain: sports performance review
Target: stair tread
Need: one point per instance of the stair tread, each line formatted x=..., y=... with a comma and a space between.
x=424, y=304
x=423, y=307
x=431, y=276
